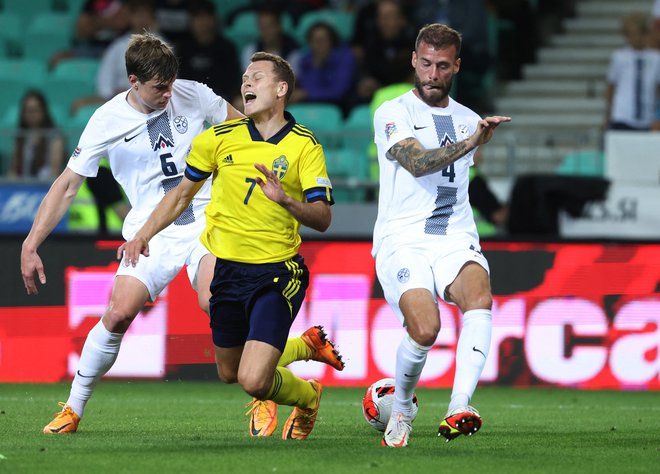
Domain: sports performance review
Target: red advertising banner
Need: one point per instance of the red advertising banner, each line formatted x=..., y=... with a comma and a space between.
x=580, y=315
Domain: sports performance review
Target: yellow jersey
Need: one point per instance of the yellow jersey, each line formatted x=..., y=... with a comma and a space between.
x=242, y=223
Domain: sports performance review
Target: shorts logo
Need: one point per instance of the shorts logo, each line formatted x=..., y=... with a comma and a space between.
x=403, y=276
x=390, y=129
x=280, y=166
x=181, y=124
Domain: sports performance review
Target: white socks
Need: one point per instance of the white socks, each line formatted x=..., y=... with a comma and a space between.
x=471, y=353
x=410, y=360
x=99, y=353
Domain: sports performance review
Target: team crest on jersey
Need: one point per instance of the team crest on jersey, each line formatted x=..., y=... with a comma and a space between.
x=403, y=276
x=181, y=124
x=390, y=129
x=280, y=167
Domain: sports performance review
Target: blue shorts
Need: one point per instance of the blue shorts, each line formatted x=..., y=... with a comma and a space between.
x=256, y=301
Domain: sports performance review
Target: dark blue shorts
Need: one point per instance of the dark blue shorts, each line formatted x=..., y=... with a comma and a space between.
x=256, y=301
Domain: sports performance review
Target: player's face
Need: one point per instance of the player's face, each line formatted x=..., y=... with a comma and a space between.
x=153, y=94
x=434, y=71
x=260, y=88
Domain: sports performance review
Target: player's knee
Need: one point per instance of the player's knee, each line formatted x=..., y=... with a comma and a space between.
x=257, y=388
x=483, y=300
x=227, y=376
x=424, y=335
x=118, y=319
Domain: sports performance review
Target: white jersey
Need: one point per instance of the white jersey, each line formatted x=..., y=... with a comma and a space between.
x=147, y=152
x=432, y=207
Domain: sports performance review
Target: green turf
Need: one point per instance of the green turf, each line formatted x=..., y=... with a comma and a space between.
x=183, y=427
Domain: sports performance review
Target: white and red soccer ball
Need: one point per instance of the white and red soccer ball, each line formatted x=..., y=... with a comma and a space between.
x=377, y=403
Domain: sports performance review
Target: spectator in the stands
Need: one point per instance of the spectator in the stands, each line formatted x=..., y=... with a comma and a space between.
x=208, y=57
x=272, y=38
x=174, y=17
x=326, y=70
x=39, y=145
x=98, y=24
x=386, y=54
x=111, y=76
x=633, y=78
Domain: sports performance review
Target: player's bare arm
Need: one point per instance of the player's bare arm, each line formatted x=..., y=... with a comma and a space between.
x=421, y=162
x=316, y=215
x=173, y=204
x=52, y=209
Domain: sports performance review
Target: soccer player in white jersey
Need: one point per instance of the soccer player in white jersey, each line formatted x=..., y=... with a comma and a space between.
x=145, y=133
x=425, y=239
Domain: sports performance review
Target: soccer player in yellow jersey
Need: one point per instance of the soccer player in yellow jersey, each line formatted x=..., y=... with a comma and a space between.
x=269, y=177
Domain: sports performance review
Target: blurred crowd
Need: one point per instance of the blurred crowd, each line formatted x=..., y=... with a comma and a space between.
x=349, y=54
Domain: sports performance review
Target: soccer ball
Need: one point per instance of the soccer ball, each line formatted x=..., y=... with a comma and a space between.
x=377, y=403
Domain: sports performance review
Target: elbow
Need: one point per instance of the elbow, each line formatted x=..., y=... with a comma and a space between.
x=324, y=224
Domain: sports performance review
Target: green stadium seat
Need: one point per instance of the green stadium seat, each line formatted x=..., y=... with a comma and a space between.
x=225, y=8
x=324, y=120
x=77, y=68
x=583, y=163
x=344, y=169
x=11, y=92
x=53, y=23
x=244, y=29
x=10, y=34
x=43, y=46
x=31, y=71
x=82, y=116
x=342, y=22
x=358, y=129
x=62, y=91
x=27, y=9
x=74, y=7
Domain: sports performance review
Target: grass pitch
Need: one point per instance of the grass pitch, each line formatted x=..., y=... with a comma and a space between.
x=162, y=427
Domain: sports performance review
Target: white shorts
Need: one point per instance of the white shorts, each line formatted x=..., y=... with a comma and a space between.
x=167, y=255
x=430, y=265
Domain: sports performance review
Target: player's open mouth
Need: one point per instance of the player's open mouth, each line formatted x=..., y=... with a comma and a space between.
x=249, y=97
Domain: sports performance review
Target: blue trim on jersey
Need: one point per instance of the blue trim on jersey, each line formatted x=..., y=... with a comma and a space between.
x=318, y=194
x=278, y=137
x=193, y=174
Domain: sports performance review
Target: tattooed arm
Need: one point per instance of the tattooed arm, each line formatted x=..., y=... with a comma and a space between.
x=419, y=161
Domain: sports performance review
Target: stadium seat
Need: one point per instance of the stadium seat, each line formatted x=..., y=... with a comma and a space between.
x=10, y=34
x=77, y=68
x=243, y=29
x=82, y=116
x=344, y=171
x=358, y=129
x=43, y=46
x=30, y=71
x=225, y=8
x=53, y=23
x=11, y=92
x=583, y=163
x=342, y=22
x=324, y=120
x=74, y=7
x=26, y=9
x=62, y=91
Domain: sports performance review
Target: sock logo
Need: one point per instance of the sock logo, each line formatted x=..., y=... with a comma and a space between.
x=477, y=350
x=85, y=376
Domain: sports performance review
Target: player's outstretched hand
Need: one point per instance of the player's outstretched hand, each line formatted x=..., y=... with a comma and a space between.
x=31, y=263
x=131, y=251
x=486, y=127
x=272, y=187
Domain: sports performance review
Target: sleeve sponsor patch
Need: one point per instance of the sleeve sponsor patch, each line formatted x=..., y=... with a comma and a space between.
x=323, y=182
x=390, y=129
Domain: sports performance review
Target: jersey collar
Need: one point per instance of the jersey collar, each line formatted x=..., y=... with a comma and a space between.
x=275, y=139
